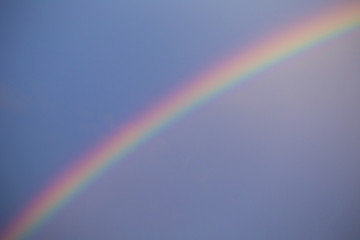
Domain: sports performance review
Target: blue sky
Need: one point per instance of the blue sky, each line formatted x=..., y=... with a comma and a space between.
x=276, y=158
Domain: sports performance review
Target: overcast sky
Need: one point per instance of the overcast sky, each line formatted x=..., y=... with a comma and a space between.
x=275, y=158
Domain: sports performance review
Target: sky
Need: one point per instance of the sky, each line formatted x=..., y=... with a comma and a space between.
x=275, y=158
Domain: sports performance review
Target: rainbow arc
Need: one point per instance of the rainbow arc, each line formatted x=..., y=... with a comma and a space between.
x=235, y=70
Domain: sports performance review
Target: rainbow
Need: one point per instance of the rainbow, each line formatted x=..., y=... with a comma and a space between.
x=235, y=70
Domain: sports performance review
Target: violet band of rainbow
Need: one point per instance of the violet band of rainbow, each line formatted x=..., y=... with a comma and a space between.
x=238, y=68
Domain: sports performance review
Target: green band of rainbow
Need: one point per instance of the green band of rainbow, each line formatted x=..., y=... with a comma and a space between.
x=237, y=69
